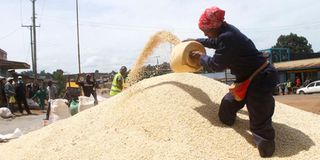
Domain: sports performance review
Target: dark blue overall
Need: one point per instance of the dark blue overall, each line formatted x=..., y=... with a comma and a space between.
x=238, y=53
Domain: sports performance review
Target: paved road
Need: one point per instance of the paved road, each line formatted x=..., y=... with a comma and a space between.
x=25, y=123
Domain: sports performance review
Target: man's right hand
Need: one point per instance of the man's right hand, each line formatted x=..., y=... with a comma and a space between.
x=195, y=56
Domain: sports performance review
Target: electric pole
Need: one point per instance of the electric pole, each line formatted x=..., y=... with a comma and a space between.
x=31, y=41
x=34, y=39
x=78, y=42
x=157, y=59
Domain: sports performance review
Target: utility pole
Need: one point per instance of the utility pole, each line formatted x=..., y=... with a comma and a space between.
x=34, y=39
x=157, y=59
x=31, y=41
x=78, y=42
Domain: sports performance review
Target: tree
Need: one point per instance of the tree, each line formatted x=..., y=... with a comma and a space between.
x=297, y=44
x=60, y=79
x=28, y=73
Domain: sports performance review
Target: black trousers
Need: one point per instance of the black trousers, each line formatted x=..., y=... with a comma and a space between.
x=48, y=111
x=23, y=100
x=260, y=104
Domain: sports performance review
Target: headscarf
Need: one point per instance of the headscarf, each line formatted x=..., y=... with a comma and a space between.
x=211, y=18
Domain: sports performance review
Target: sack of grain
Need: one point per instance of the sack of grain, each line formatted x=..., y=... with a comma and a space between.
x=59, y=110
x=88, y=102
x=5, y=112
x=32, y=103
x=17, y=133
x=74, y=105
x=85, y=103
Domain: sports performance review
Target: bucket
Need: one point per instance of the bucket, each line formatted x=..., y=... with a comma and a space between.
x=180, y=60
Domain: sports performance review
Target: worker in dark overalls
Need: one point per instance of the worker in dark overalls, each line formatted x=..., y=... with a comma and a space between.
x=235, y=51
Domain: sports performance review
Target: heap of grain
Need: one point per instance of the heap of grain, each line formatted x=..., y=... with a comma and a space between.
x=173, y=116
x=167, y=117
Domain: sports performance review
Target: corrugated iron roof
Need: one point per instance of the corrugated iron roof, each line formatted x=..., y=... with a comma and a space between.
x=298, y=64
x=4, y=64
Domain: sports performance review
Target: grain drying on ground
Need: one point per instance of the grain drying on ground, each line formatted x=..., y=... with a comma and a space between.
x=172, y=116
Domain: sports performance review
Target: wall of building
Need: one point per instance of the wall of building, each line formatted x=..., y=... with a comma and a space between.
x=3, y=54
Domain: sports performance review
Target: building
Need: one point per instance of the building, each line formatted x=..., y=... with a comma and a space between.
x=304, y=69
x=305, y=66
x=6, y=65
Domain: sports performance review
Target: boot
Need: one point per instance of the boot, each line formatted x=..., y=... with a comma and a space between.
x=266, y=147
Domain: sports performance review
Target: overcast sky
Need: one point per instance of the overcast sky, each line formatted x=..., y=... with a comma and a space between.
x=113, y=32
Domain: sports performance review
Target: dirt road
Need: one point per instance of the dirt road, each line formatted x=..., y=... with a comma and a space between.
x=309, y=102
x=26, y=123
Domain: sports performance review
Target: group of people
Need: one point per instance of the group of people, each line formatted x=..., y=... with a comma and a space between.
x=14, y=92
x=89, y=85
x=290, y=87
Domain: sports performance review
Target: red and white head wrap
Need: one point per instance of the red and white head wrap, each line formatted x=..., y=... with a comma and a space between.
x=211, y=18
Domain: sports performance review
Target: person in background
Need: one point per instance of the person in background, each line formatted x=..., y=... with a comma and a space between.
x=52, y=94
x=283, y=88
x=21, y=95
x=118, y=81
x=34, y=88
x=306, y=82
x=89, y=87
x=237, y=52
x=298, y=82
x=3, y=97
x=289, y=86
x=41, y=94
x=12, y=73
x=10, y=94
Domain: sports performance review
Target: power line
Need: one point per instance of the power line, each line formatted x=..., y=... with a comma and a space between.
x=10, y=33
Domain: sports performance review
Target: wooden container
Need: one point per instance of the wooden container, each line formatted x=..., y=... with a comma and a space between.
x=180, y=60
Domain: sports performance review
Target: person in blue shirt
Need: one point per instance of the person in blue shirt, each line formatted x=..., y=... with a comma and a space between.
x=237, y=52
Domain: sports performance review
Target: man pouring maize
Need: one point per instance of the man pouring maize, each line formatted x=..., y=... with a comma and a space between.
x=255, y=76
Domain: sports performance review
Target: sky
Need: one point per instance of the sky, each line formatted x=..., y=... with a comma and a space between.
x=114, y=32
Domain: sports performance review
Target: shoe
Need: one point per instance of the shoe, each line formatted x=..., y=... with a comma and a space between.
x=266, y=148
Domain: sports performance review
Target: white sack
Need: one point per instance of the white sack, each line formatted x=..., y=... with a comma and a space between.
x=5, y=112
x=88, y=102
x=17, y=133
x=32, y=103
x=59, y=110
x=85, y=103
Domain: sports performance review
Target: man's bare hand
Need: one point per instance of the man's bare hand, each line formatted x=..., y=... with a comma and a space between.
x=195, y=56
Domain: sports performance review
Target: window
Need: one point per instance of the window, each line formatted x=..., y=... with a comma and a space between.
x=318, y=84
x=311, y=84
